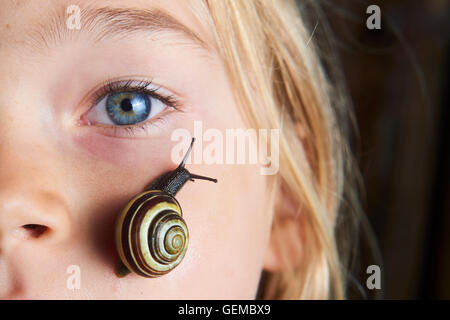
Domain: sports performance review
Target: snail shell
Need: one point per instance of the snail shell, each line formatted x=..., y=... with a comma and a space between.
x=151, y=235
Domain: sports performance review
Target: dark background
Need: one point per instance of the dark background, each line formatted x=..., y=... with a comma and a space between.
x=398, y=78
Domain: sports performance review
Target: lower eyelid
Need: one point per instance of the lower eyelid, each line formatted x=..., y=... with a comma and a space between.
x=151, y=127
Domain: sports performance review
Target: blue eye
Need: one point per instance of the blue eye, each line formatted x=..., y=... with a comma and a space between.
x=126, y=108
x=125, y=105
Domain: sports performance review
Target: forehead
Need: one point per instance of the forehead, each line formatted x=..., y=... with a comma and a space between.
x=25, y=22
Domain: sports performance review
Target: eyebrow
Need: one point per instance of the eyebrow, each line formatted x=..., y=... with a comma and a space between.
x=107, y=22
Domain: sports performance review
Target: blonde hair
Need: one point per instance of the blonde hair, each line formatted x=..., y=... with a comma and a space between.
x=279, y=80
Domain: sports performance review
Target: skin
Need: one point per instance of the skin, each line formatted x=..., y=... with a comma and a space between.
x=73, y=178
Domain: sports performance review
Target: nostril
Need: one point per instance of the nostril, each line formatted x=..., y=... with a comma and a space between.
x=35, y=230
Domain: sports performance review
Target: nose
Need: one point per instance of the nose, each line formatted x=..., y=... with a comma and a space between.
x=33, y=207
x=32, y=215
x=35, y=216
x=32, y=219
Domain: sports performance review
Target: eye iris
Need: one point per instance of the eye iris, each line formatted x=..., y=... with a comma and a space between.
x=127, y=108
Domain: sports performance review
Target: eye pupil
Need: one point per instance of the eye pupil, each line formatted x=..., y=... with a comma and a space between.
x=126, y=105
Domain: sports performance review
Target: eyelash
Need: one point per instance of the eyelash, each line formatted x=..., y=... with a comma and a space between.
x=136, y=86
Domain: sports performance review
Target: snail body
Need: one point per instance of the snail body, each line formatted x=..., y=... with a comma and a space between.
x=151, y=234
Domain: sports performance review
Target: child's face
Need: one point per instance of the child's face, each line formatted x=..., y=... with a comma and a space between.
x=73, y=178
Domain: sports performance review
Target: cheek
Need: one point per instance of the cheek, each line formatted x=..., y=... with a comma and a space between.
x=227, y=232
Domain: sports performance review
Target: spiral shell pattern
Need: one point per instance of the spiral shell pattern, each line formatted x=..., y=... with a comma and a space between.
x=151, y=235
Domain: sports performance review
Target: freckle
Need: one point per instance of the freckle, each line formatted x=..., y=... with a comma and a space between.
x=7, y=26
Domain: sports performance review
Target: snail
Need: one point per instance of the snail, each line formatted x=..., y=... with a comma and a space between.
x=151, y=234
